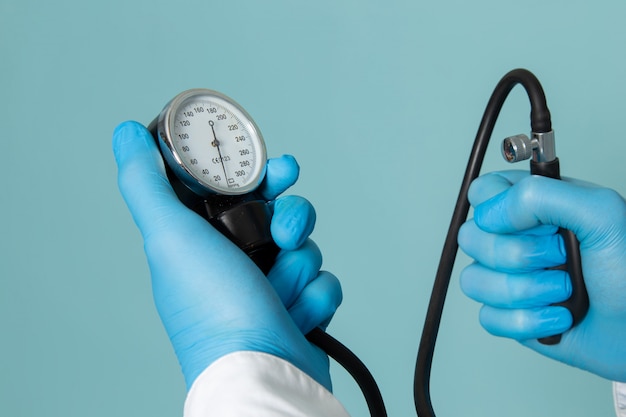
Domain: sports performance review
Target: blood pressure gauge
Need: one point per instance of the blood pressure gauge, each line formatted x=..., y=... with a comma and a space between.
x=215, y=158
x=211, y=143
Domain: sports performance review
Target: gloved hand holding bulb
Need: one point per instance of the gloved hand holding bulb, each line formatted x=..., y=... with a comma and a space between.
x=512, y=238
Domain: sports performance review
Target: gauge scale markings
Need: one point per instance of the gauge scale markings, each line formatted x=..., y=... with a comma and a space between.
x=211, y=143
x=215, y=144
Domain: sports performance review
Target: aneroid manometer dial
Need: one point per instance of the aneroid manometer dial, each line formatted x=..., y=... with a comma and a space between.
x=216, y=159
x=211, y=143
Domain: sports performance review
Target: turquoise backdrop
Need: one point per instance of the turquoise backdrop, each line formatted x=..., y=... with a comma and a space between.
x=378, y=100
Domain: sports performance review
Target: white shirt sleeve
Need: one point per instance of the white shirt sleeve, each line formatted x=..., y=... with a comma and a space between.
x=261, y=385
x=619, y=398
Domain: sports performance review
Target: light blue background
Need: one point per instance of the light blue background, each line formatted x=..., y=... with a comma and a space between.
x=378, y=100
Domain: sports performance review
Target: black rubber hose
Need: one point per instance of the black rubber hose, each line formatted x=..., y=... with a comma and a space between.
x=351, y=363
x=540, y=123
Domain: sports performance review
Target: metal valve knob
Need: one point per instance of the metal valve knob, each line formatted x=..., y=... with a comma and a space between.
x=517, y=148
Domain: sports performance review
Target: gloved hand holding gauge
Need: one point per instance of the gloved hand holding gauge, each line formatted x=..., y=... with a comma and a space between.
x=212, y=299
x=215, y=175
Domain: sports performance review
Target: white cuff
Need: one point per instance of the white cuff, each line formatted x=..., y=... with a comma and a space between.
x=619, y=397
x=261, y=385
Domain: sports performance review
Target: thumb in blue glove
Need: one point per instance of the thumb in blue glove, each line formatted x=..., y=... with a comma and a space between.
x=513, y=239
x=212, y=299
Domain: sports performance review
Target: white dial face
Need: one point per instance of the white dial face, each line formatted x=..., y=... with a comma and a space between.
x=217, y=144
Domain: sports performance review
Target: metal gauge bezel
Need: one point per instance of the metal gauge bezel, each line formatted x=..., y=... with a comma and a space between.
x=165, y=123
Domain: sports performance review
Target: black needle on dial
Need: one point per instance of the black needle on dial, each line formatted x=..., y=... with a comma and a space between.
x=216, y=144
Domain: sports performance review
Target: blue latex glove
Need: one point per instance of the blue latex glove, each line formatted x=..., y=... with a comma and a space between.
x=512, y=238
x=211, y=297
